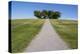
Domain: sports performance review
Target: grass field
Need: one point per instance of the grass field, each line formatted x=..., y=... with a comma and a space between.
x=23, y=31
x=68, y=31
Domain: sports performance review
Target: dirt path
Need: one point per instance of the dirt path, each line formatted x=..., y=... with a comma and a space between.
x=46, y=40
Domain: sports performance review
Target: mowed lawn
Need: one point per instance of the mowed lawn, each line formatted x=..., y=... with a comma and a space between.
x=23, y=31
x=68, y=31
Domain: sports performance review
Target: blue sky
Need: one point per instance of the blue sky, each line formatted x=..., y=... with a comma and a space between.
x=26, y=10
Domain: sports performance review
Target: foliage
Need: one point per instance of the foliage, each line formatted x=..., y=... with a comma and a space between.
x=47, y=14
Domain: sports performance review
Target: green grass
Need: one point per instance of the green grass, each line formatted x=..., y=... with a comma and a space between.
x=23, y=31
x=68, y=31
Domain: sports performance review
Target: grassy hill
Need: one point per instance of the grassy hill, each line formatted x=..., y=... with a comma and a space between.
x=68, y=31
x=23, y=31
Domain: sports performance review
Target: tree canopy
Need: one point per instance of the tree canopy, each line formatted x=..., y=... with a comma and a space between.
x=47, y=14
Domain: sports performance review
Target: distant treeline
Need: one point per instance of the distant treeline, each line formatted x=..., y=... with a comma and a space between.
x=47, y=14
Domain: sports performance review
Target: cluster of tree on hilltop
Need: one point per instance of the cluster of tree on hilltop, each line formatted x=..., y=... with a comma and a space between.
x=47, y=14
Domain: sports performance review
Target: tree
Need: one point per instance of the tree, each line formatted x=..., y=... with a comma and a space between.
x=50, y=14
x=37, y=14
x=47, y=14
x=56, y=15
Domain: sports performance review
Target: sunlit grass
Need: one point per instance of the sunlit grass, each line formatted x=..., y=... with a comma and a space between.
x=68, y=31
x=23, y=31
